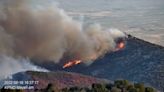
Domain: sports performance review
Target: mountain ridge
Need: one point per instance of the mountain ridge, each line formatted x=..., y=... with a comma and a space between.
x=139, y=61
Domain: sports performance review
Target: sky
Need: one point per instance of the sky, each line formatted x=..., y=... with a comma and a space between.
x=141, y=18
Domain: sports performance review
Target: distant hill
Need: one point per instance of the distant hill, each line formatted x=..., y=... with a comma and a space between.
x=59, y=79
x=140, y=61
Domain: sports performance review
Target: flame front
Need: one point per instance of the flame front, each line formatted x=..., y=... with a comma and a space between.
x=71, y=63
x=121, y=45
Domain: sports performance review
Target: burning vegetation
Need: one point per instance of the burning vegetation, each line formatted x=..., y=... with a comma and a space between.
x=71, y=63
x=120, y=45
x=46, y=33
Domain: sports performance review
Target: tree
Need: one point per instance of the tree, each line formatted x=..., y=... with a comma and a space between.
x=109, y=86
x=134, y=90
x=74, y=89
x=129, y=87
x=149, y=89
x=121, y=83
x=65, y=90
x=99, y=88
x=140, y=86
x=115, y=89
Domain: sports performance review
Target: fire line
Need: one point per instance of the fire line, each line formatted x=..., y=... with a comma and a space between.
x=71, y=63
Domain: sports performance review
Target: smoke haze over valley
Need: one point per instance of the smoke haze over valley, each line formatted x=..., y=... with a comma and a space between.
x=141, y=18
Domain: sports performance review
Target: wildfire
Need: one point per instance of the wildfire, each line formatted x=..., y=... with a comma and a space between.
x=121, y=45
x=71, y=63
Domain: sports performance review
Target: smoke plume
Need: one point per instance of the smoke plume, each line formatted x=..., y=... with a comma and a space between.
x=40, y=30
x=10, y=65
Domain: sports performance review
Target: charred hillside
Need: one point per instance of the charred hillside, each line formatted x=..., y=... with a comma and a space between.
x=140, y=61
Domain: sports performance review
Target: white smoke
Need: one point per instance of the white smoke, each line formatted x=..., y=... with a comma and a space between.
x=10, y=66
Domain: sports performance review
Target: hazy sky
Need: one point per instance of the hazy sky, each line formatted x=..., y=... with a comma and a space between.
x=141, y=18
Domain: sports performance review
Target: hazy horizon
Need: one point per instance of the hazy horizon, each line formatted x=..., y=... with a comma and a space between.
x=141, y=18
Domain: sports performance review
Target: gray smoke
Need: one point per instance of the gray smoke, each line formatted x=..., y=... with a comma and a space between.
x=40, y=30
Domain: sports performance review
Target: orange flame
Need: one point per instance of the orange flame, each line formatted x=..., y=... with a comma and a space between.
x=121, y=45
x=71, y=63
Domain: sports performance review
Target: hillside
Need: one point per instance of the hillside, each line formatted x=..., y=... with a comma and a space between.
x=140, y=61
x=71, y=82
x=59, y=79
